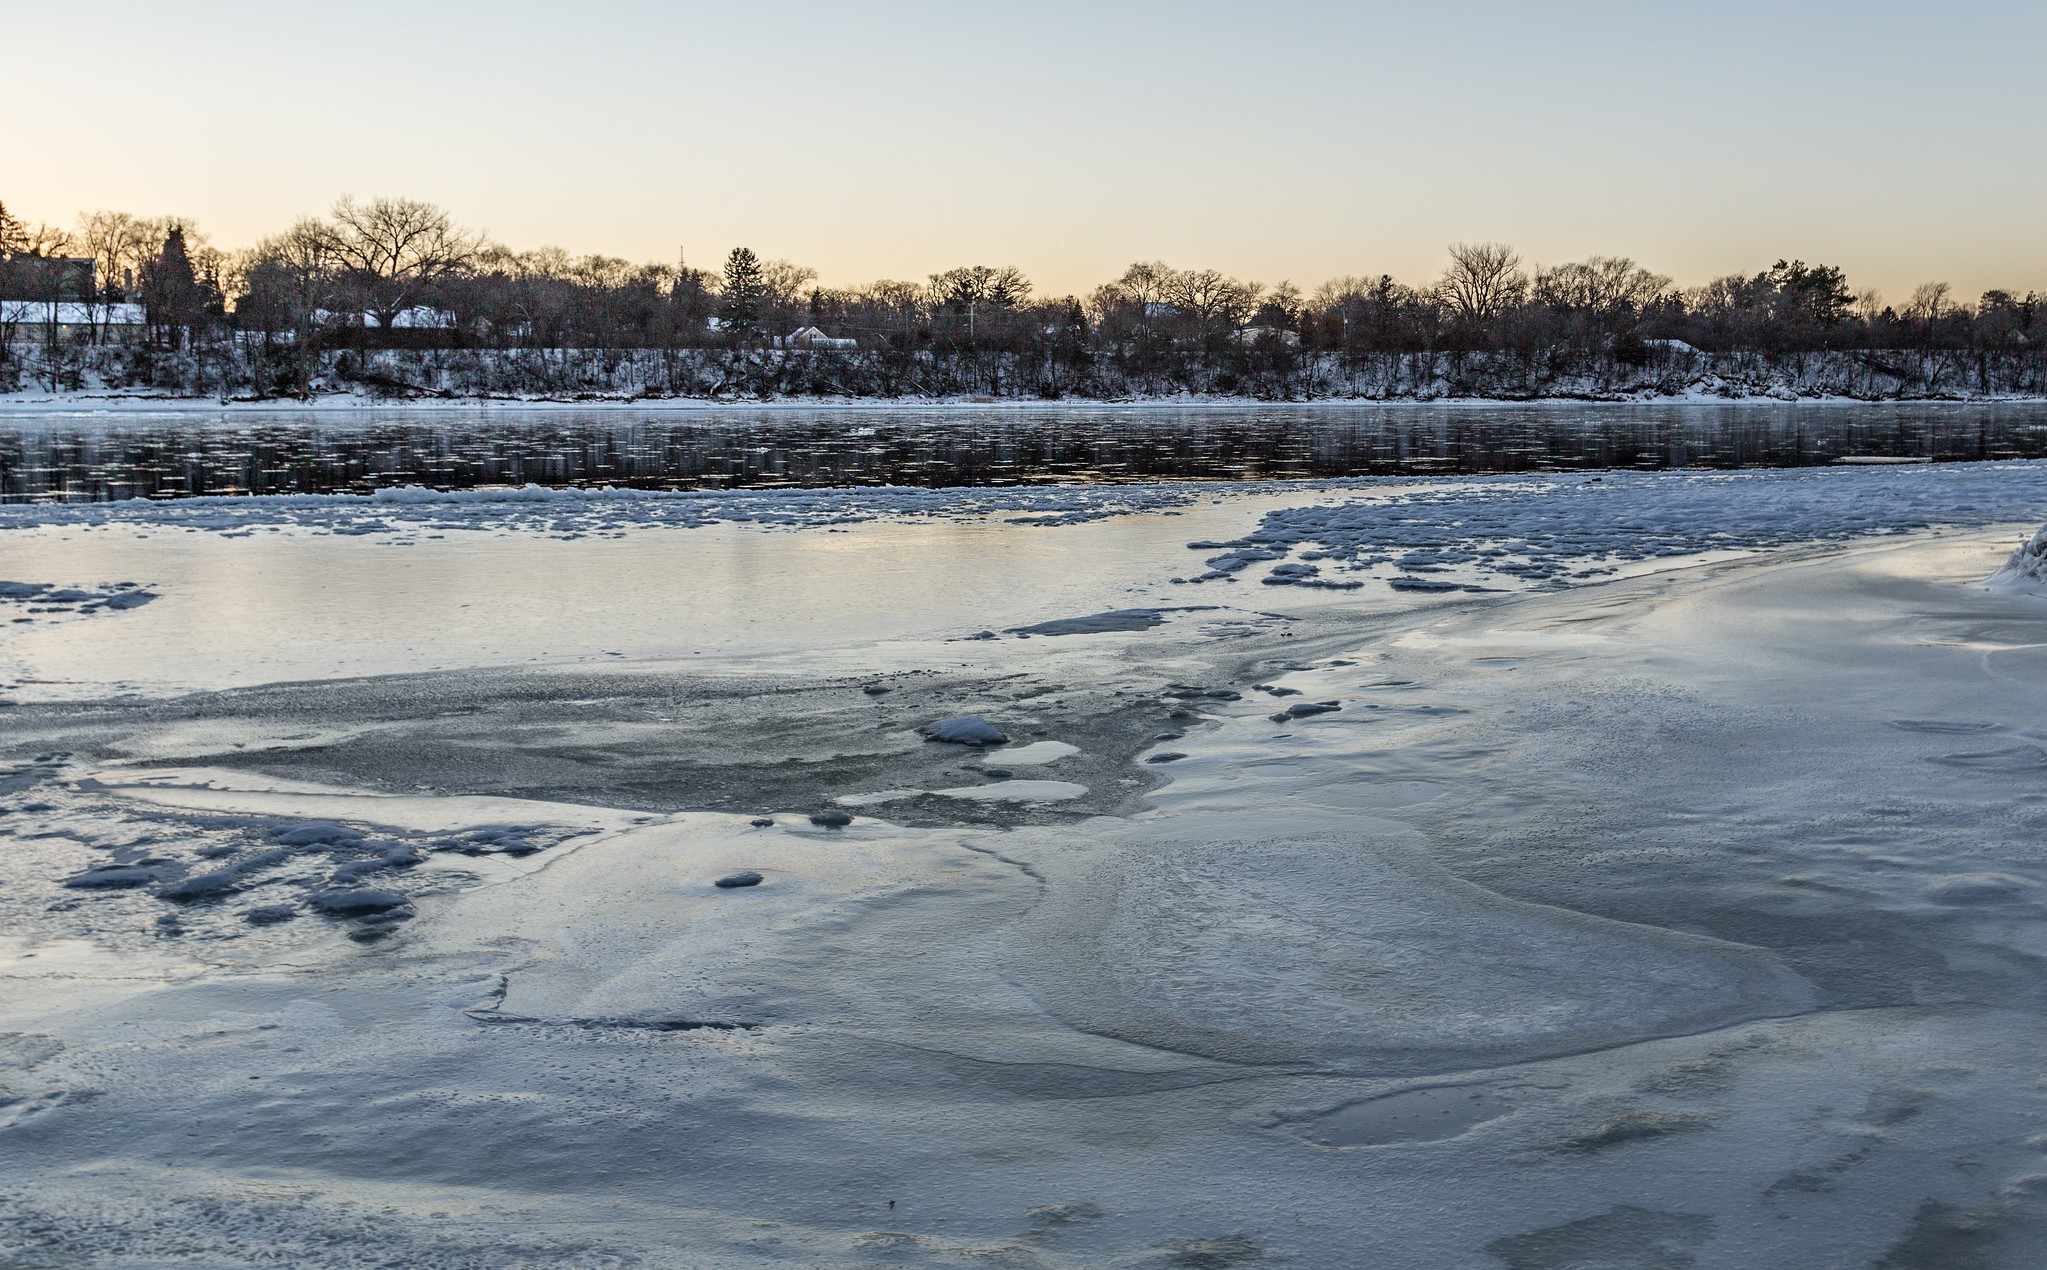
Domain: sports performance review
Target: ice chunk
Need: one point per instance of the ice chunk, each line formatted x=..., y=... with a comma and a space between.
x=969, y=729
x=319, y=831
x=831, y=818
x=1097, y=623
x=1166, y=756
x=222, y=880
x=112, y=877
x=1421, y=584
x=270, y=914
x=356, y=901
x=746, y=878
x=215, y=883
x=1302, y=709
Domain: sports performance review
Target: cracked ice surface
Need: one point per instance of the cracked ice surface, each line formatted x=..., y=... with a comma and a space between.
x=1690, y=918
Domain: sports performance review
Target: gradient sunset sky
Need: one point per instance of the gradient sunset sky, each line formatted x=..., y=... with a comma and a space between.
x=893, y=139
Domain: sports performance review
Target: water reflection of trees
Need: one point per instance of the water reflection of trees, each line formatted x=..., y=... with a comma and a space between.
x=176, y=460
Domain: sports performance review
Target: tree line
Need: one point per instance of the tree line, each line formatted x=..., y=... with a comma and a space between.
x=284, y=316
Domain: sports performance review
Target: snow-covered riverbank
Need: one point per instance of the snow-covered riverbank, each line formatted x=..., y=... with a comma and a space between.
x=108, y=376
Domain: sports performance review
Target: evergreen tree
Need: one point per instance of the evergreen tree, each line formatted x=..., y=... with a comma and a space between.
x=170, y=288
x=744, y=289
x=13, y=234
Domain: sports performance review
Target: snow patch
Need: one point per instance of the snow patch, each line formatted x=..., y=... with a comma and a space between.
x=2026, y=570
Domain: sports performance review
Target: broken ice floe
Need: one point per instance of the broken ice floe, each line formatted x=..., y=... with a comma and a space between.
x=1552, y=529
x=25, y=602
x=578, y=512
x=215, y=877
x=1304, y=709
x=969, y=729
x=1114, y=620
x=1008, y=791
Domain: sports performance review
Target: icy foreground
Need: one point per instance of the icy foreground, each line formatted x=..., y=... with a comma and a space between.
x=1675, y=900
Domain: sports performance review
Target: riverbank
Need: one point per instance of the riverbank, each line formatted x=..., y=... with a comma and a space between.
x=352, y=403
x=1177, y=378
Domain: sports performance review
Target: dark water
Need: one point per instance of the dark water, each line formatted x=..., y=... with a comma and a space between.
x=84, y=458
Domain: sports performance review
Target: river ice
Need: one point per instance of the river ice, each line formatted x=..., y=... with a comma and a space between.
x=1674, y=900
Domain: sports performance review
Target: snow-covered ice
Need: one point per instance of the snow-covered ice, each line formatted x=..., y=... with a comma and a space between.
x=1663, y=891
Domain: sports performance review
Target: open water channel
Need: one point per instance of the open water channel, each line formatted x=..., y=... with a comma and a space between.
x=79, y=456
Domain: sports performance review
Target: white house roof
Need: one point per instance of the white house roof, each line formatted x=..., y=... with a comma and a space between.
x=419, y=316
x=71, y=313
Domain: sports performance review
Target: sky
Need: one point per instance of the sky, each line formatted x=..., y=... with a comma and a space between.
x=895, y=138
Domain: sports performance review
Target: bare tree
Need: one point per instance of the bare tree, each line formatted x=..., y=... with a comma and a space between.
x=1210, y=299
x=288, y=283
x=1143, y=285
x=118, y=245
x=973, y=289
x=785, y=281
x=1930, y=302
x=1482, y=281
x=34, y=268
x=1603, y=285
x=397, y=248
x=785, y=286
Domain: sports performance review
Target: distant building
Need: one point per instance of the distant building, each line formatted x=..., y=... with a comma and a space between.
x=31, y=319
x=420, y=317
x=48, y=278
x=1262, y=334
x=811, y=337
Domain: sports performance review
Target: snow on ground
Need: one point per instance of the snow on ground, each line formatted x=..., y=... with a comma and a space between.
x=1666, y=916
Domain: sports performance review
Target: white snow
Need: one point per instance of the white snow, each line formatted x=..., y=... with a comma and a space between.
x=1036, y=754
x=2026, y=570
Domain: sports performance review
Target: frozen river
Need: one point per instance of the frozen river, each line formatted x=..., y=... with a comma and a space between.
x=1528, y=871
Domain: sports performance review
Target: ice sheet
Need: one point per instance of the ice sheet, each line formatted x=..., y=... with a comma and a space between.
x=1720, y=886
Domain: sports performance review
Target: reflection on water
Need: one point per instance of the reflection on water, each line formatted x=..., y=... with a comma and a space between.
x=80, y=458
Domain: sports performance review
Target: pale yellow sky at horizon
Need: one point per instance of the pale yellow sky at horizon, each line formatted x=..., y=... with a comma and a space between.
x=905, y=138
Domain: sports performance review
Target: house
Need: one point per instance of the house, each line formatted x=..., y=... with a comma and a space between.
x=26, y=277
x=420, y=317
x=1266, y=334
x=31, y=319
x=811, y=337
